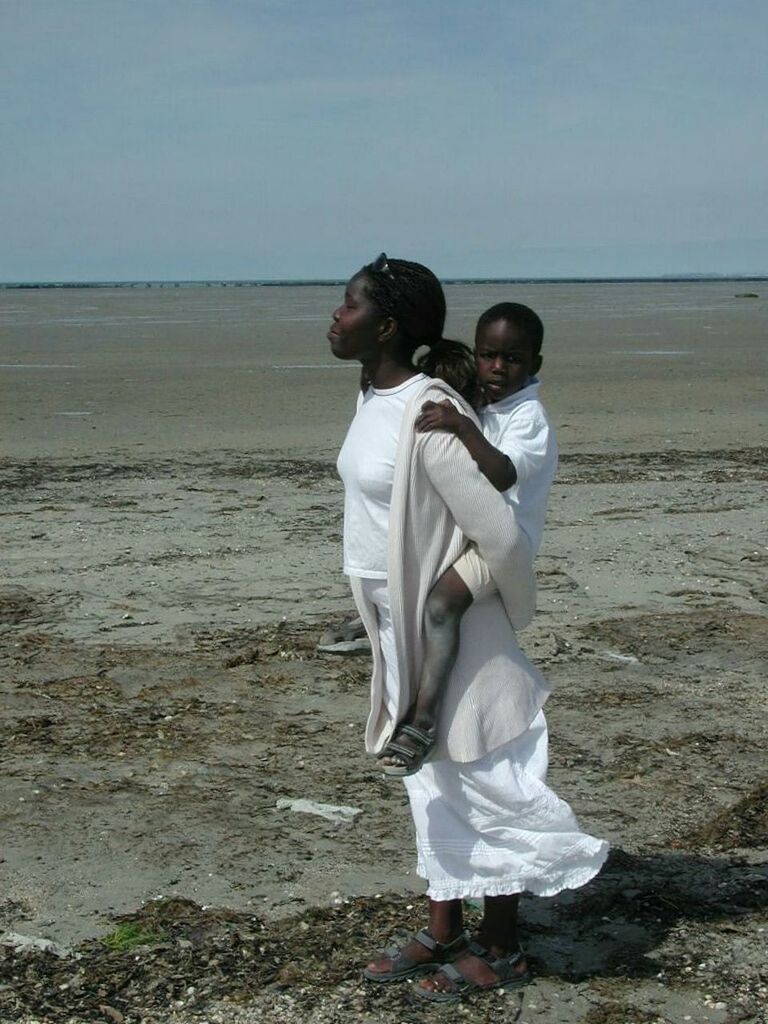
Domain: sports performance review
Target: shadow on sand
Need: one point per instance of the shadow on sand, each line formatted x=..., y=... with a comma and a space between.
x=614, y=925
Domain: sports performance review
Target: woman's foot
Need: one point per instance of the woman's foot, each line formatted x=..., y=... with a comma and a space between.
x=420, y=955
x=476, y=970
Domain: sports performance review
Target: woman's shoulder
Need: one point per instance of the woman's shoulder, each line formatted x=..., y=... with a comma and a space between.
x=436, y=390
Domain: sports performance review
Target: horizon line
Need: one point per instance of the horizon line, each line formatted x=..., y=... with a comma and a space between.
x=319, y=282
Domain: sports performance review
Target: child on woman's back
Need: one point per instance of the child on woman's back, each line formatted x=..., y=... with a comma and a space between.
x=516, y=451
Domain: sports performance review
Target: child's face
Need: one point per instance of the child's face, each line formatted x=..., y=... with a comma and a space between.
x=504, y=359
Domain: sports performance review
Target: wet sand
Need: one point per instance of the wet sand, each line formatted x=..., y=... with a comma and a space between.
x=171, y=522
x=626, y=366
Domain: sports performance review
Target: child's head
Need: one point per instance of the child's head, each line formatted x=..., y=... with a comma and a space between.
x=453, y=362
x=507, y=349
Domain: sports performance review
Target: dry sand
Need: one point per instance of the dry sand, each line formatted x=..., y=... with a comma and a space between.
x=170, y=524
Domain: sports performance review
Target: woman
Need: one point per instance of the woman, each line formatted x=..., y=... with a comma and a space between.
x=486, y=823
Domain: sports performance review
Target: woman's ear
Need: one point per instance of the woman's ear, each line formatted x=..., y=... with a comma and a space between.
x=387, y=329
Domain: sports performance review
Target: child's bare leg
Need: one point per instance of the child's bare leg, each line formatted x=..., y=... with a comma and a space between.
x=447, y=602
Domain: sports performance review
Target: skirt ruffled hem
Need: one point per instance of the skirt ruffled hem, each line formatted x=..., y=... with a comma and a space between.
x=477, y=888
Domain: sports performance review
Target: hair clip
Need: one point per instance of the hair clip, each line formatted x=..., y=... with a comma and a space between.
x=380, y=265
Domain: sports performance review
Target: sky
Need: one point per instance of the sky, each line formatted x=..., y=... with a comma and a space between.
x=242, y=139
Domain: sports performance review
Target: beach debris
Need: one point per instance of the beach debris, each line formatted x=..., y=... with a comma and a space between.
x=17, y=606
x=330, y=812
x=625, y=659
x=130, y=681
x=129, y=621
x=551, y=646
x=218, y=960
x=32, y=942
x=742, y=825
x=361, y=646
x=111, y=1013
x=348, y=638
x=244, y=656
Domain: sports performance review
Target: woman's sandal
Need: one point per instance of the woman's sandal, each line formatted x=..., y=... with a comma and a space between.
x=413, y=756
x=503, y=967
x=404, y=966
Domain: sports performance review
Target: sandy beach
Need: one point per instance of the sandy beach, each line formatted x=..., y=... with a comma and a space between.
x=171, y=524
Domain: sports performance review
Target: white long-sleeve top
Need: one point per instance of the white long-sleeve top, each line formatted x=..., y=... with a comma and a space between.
x=366, y=465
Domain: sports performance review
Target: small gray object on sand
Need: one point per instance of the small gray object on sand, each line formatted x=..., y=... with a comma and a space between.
x=348, y=638
x=331, y=812
x=361, y=646
x=32, y=942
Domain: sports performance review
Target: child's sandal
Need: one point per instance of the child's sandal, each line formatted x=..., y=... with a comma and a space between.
x=413, y=757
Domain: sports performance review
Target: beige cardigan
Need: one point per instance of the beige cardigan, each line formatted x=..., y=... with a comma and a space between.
x=440, y=501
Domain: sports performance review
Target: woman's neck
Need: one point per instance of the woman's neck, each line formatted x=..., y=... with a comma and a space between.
x=388, y=373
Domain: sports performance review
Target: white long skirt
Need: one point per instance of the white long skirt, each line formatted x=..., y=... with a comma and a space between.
x=490, y=827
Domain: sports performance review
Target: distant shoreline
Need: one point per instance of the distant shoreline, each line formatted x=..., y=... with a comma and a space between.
x=325, y=282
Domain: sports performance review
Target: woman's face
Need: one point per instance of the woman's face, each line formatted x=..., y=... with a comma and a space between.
x=356, y=328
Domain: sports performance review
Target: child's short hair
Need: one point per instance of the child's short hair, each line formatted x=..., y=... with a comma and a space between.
x=522, y=317
x=454, y=363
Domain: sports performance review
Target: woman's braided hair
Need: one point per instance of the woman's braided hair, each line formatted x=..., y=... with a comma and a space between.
x=412, y=295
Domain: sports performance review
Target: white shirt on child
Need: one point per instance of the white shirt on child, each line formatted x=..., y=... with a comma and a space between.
x=366, y=465
x=518, y=427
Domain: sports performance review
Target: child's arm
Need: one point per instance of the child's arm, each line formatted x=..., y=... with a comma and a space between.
x=493, y=464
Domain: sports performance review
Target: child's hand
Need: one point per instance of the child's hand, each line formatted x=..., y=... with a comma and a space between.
x=440, y=416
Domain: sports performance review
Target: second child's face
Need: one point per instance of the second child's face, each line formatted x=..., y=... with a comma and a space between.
x=504, y=360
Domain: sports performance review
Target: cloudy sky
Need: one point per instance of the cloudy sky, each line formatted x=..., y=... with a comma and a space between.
x=177, y=139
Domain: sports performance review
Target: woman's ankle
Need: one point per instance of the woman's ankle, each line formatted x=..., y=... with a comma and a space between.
x=446, y=920
x=501, y=946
